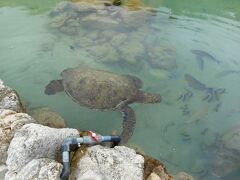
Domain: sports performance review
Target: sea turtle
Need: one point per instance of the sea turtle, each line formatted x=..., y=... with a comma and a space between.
x=104, y=90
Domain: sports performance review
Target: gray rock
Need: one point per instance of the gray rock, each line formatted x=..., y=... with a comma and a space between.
x=118, y=163
x=3, y=170
x=9, y=99
x=35, y=141
x=40, y=169
x=10, y=122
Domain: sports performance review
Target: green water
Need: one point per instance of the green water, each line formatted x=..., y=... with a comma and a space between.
x=32, y=54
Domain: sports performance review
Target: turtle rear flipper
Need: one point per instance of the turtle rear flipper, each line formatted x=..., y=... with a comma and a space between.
x=53, y=87
x=129, y=121
x=144, y=97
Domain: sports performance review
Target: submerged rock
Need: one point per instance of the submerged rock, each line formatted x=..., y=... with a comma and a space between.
x=9, y=99
x=10, y=122
x=40, y=169
x=131, y=52
x=183, y=176
x=104, y=53
x=48, y=117
x=115, y=163
x=225, y=153
x=35, y=141
x=162, y=58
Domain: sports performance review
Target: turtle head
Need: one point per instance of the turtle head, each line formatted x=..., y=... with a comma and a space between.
x=53, y=87
x=144, y=97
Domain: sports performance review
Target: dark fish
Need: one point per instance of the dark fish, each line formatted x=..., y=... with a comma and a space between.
x=204, y=131
x=226, y=73
x=194, y=83
x=185, y=96
x=168, y=126
x=216, y=108
x=211, y=93
x=205, y=55
x=200, y=63
x=72, y=47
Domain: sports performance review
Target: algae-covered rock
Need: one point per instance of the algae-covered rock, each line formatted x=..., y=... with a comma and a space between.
x=154, y=169
x=9, y=99
x=35, y=141
x=48, y=117
x=10, y=122
x=40, y=169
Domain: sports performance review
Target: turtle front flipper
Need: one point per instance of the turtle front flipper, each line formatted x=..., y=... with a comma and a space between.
x=144, y=97
x=129, y=121
x=53, y=87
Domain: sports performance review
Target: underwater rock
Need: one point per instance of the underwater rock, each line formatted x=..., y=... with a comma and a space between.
x=131, y=52
x=9, y=99
x=108, y=34
x=225, y=153
x=231, y=139
x=104, y=53
x=135, y=19
x=83, y=42
x=183, y=176
x=118, y=39
x=101, y=22
x=10, y=122
x=40, y=169
x=47, y=117
x=115, y=163
x=59, y=21
x=162, y=58
x=35, y=141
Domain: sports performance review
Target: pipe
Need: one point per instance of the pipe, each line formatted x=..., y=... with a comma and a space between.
x=71, y=143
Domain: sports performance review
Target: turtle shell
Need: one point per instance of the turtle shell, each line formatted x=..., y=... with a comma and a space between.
x=98, y=89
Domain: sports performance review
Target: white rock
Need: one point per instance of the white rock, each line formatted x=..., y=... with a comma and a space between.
x=9, y=99
x=35, y=141
x=118, y=163
x=10, y=122
x=3, y=170
x=39, y=169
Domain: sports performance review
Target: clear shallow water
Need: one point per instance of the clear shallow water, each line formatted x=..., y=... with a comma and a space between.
x=31, y=54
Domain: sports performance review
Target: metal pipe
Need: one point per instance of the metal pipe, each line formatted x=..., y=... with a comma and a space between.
x=71, y=143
